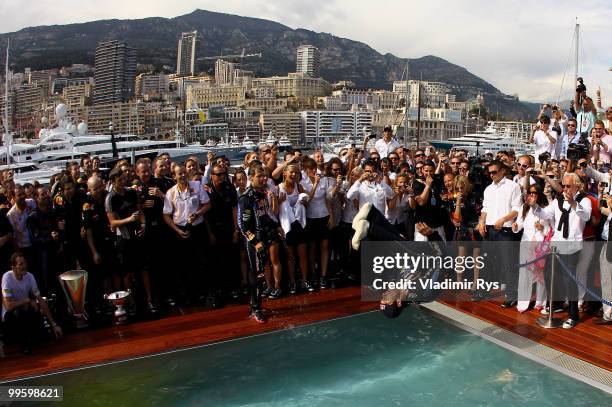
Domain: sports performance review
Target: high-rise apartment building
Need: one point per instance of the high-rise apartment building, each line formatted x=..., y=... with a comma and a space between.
x=115, y=72
x=186, y=56
x=308, y=61
x=224, y=72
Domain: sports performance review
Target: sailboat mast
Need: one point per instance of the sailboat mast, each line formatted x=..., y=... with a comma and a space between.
x=6, y=89
x=577, y=49
x=406, y=104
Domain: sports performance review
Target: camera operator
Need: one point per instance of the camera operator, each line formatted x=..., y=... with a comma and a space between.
x=601, y=143
x=544, y=138
x=571, y=138
x=586, y=112
x=387, y=143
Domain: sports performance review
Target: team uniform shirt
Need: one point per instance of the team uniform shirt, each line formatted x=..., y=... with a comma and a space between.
x=222, y=202
x=370, y=192
x=577, y=221
x=123, y=205
x=543, y=144
x=154, y=215
x=18, y=220
x=432, y=213
x=255, y=218
x=70, y=212
x=182, y=204
x=500, y=199
x=18, y=290
x=385, y=148
x=317, y=207
x=94, y=217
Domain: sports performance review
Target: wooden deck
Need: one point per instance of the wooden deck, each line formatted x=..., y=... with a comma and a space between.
x=587, y=341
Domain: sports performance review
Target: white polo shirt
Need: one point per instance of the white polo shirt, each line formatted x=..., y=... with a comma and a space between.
x=317, y=207
x=385, y=148
x=372, y=192
x=181, y=205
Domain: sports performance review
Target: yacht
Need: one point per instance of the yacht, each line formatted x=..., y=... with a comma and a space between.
x=489, y=140
x=248, y=144
x=284, y=144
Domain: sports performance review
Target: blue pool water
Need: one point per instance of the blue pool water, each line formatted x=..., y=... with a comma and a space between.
x=364, y=360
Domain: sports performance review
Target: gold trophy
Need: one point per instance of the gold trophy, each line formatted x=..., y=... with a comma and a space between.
x=74, y=284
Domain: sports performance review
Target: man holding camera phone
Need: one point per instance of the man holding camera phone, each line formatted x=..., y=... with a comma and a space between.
x=601, y=143
x=368, y=188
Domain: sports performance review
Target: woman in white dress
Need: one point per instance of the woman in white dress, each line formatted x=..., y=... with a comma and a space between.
x=535, y=232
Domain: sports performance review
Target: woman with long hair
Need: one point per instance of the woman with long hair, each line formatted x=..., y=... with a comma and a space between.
x=289, y=192
x=464, y=209
x=193, y=169
x=536, y=232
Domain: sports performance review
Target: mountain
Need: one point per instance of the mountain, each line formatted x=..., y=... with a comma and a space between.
x=223, y=34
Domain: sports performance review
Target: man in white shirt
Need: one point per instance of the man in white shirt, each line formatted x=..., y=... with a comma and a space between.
x=17, y=217
x=387, y=143
x=570, y=212
x=544, y=138
x=501, y=205
x=184, y=207
x=368, y=189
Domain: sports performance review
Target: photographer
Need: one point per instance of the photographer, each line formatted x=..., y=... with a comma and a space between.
x=544, y=138
x=369, y=189
x=601, y=143
x=571, y=139
x=586, y=112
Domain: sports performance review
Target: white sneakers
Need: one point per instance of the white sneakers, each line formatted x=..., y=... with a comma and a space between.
x=361, y=231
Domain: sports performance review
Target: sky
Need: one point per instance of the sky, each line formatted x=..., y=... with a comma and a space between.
x=520, y=47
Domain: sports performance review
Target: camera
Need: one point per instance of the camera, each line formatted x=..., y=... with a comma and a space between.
x=581, y=86
x=371, y=136
x=579, y=150
x=544, y=157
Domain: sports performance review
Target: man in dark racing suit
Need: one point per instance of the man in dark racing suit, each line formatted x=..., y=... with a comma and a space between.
x=260, y=230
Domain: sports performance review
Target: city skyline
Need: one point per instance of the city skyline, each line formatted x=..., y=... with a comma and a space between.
x=496, y=53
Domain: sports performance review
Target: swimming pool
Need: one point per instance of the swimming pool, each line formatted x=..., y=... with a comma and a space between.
x=363, y=360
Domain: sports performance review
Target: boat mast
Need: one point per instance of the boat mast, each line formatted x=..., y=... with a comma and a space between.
x=8, y=139
x=577, y=33
x=406, y=104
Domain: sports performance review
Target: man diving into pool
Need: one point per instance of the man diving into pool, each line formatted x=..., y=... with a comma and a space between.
x=369, y=224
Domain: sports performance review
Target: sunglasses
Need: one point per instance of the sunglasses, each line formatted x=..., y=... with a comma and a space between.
x=335, y=169
x=532, y=193
x=463, y=168
x=524, y=165
x=571, y=125
x=419, y=155
x=566, y=186
x=219, y=174
x=493, y=172
x=583, y=164
x=454, y=162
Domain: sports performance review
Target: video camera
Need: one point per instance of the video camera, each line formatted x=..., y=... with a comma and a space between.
x=579, y=150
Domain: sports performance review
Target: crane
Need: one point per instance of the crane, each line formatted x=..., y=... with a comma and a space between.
x=241, y=55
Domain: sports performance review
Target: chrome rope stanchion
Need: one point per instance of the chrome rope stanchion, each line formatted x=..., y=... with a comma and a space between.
x=550, y=322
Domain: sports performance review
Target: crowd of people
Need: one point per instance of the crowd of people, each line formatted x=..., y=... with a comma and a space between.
x=208, y=233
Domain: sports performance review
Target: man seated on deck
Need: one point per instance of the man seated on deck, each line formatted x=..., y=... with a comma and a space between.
x=22, y=304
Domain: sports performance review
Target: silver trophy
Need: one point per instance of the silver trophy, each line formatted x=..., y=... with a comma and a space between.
x=119, y=299
x=74, y=284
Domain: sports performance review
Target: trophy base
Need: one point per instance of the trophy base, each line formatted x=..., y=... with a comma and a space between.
x=80, y=322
